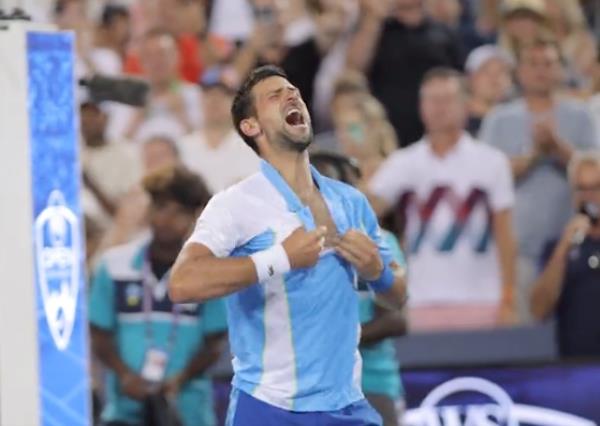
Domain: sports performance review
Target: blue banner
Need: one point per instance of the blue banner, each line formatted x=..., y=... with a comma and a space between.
x=557, y=395
x=58, y=231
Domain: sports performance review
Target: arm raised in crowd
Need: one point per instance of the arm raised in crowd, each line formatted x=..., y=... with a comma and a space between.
x=363, y=44
x=546, y=290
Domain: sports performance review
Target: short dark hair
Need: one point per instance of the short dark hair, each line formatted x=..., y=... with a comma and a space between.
x=178, y=184
x=243, y=102
x=541, y=41
x=111, y=12
x=445, y=73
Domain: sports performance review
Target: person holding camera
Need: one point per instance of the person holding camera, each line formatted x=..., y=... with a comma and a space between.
x=152, y=347
x=569, y=286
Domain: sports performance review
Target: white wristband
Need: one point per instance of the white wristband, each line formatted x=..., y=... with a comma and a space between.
x=271, y=262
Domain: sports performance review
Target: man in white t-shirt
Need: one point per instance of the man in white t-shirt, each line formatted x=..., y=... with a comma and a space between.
x=216, y=152
x=455, y=196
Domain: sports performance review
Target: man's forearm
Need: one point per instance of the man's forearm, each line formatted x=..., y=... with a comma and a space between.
x=204, y=359
x=506, y=248
x=198, y=275
x=395, y=298
x=564, y=152
x=389, y=324
x=363, y=44
x=522, y=164
x=547, y=288
x=105, y=349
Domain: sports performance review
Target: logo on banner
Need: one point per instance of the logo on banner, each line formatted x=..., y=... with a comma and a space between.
x=490, y=406
x=57, y=248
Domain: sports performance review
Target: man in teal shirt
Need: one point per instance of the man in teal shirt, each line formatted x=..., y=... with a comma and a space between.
x=381, y=381
x=149, y=344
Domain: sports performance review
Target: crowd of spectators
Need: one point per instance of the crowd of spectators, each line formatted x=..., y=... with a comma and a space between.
x=472, y=125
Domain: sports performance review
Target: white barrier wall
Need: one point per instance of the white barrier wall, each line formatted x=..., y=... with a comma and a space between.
x=44, y=376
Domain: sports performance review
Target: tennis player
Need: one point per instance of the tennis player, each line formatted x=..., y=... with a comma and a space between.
x=288, y=246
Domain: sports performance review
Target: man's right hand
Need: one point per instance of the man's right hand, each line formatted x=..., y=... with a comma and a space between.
x=303, y=248
x=134, y=386
x=577, y=227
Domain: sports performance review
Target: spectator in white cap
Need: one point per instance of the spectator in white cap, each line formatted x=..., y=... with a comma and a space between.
x=489, y=69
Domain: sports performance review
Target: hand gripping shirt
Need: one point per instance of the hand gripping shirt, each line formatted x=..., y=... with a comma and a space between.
x=294, y=337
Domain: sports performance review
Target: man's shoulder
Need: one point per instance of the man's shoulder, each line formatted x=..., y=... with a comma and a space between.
x=573, y=107
x=251, y=187
x=508, y=110
x=485, y=151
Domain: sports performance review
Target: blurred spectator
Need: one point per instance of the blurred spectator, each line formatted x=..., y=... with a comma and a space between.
x=208, y=150
x=186, y=21
x=380, y=380
x=112, y=40
x=109, y=169
x=130, y=221
x=159, y=152
x=173, y=105
x=539, y=133
x=490, y=82
x=568, y=286
x=364, y=133
x=395, y=47
x=523, y=21
x=149, y=344
x=347, y=85
x=455, y=197
x=334, y=61
x=301, y=62
x=576, y=43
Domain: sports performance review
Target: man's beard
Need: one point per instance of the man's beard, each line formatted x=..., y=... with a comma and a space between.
x=286, y=142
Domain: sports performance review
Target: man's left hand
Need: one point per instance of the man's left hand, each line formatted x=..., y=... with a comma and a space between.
x=362, y=252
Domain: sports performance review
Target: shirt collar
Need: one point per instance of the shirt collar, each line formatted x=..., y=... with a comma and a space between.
x=460, y=146
x=137, y=262
x=293, y=202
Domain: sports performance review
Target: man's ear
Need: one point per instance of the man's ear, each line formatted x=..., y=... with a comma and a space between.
x=250, y=127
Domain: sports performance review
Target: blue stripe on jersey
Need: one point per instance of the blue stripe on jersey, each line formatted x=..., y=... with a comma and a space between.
x=318, y=308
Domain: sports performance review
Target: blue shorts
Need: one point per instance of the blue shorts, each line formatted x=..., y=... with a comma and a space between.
x=245, y=410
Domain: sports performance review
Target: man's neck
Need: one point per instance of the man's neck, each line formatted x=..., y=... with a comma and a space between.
x=294, y=167
x=479, y=107
x=163, y=254
x=539, y=102
x=368, y=166
x=443, y=142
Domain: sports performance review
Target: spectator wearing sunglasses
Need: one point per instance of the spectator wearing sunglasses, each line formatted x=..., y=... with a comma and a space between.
x=569, y=287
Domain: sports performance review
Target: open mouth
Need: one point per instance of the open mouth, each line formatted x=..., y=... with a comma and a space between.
x=294, y=118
